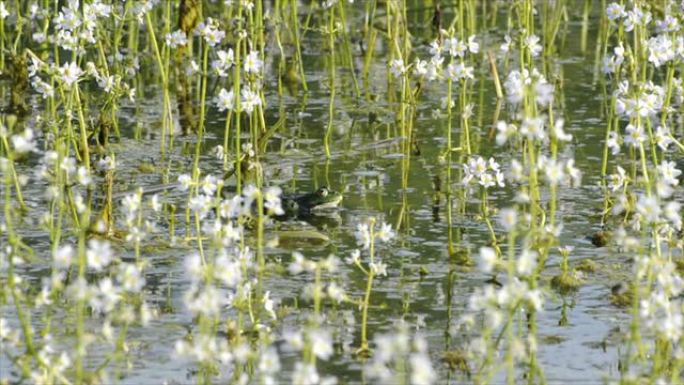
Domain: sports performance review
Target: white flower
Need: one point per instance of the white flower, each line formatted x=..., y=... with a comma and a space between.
x=508, y=218
x=613, y=143
x=616, y=181
x=24, y=142
x=649, y=208
x=272, y=200
x=224, y=62
x=458, y=71
x=269, y=305
x=533, y=128
x=663, y=138
x=252, y=63
x=154, y=203
x=107, y=295
x=397, y=68
x=378, y=268
x=504, y=132
x=99, y=254
x=553, y=171
x=434, y=68
x=185, y=181
x=574, y=173
x=526, y=263
x=176, y=39
x=456, y=48
x=667, y=24
x=385, y=233
x=435, y=48
x=3, y=11
x=672, y=213
x=249, y=193
x=535, y=299
x=420, y=67
x=212, y=35
x=70, y=73
x=669, y=172
x=321, y=343
x=209, y=185
x=225, y=100
x=231, y=208
x=250, y=100
x=354, y=258
x=615, y=11
x=506, y=46
x=363, y=235
x=532, y=43
x=488, y=259
x=203, y=300
x=305, y=374
x=42, y=87
x=422, y=372
x=660, y=50
x=269, y=362
x=130, y=277
x=200, y=204
x=473, y=46
x=635, y=135
x=300, y=264
x=131, y=204
x=294, y=339
x=63, y=256
x=557, y=130
x=335, y=292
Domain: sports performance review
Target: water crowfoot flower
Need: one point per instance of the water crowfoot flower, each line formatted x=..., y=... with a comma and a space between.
x=210, y=32
x=99, y=254
x=70, y=72
x=397, y=68
x=253, y=63
x=176, y=39
x=223, y=63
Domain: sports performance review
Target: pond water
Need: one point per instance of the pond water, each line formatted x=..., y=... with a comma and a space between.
x=580, y=334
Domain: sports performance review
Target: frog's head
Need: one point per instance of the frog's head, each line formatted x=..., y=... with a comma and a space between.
x=323, y=198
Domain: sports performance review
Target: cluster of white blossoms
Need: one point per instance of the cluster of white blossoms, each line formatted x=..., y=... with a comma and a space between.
x=231, y=208
x=249, y=100
x=215, y=285
x=137, y=225
x=639, y=100
x=368, y=235
x=520, y=84
x=558, y=172
x=320, y=343
x=663, y=48
x=105, y=296
x=70, y=73
x=400, y=347
x=249, y=96
x=497, y=304
x=663, y=310
x=332, y=290
x=486, y=173
x=451, y=48
x=211, y=33
x=75, y=26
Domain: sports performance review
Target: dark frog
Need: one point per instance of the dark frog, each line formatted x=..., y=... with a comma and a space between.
x=307, y=204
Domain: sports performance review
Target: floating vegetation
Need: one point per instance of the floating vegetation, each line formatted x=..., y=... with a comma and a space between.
x=622, y=295
x=321, y=192
x=587, y=266
x=567, y=282
x=600, y=238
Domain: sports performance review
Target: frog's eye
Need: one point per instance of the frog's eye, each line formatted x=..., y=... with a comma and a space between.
x=323, y=192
